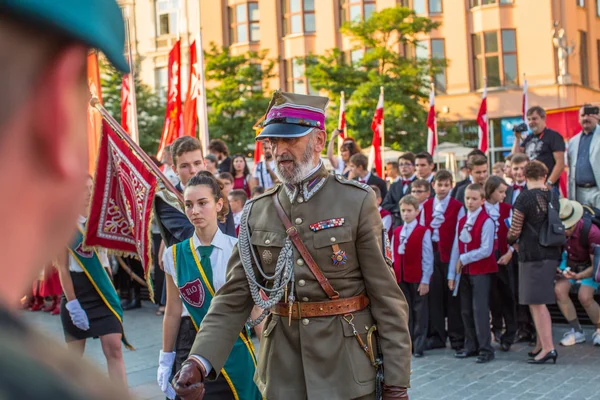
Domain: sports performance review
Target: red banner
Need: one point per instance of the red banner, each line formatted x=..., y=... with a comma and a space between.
x=375, y=157
x=190, y=112
x=125, y=103
x=173, y=127
x=121, y=204
x=94, y=128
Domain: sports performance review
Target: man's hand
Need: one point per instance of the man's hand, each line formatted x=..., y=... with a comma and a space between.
x=423, y=289
x=451, y=285
x=335, y=133
x=189, y=381
x=505, y=259
x=459, y=266
x=394, y=392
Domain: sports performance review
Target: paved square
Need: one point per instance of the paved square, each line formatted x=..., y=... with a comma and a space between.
x=436, y=376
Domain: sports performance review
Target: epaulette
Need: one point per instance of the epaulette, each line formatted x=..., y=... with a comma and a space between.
x=266, y=193
x=345, y=181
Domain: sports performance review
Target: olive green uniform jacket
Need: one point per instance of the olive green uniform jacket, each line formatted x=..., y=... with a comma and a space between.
x=316, y=358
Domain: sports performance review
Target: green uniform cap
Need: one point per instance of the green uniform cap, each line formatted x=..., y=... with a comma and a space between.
x=97, y=23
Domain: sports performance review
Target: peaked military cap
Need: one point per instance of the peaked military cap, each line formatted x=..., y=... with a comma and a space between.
x=97, y=23
x=293, y=115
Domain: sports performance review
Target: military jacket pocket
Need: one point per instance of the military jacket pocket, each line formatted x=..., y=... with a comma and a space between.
x=362, y=368
x=324, y=241
x=268, y=246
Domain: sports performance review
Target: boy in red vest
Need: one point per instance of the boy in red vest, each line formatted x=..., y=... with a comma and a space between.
x=386, y=216
x=473, y=258
x=413, y=265
x=421, y=189
x=440, y=215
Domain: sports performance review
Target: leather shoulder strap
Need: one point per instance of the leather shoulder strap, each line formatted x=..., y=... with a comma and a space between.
x=312, y=265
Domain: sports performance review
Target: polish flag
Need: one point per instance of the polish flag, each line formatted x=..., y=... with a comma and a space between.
x=173, y=121
x=432, y=139
x=482, y=121
x=376, y=145
x=342, y=120
x=190, y=114
x=125, y=104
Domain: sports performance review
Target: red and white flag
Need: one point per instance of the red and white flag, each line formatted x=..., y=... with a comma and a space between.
x=173, y=124
x=376, y=145
x=525, y=106
x=342, y=120
x=482, y=121
x=190, y=115
x=125, y=104
x=431, y=124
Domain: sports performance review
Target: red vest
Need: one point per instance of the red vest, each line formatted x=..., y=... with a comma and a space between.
x=502, y=242
x=486, y=265
x=409, y=266
x=448, y=228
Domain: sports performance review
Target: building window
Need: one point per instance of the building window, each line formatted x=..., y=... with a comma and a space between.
x=166, y=16
x=583, y=59
x=477, y=3
x=597, y=8
x=296, y=82
x=438, y=52
x=581, y=3
x=419, y=6
x=244, y=23
x=298, y=16
x=495, y=57
x=356, y=10
x=162, y=83
x=404, y=3
x=435, y=6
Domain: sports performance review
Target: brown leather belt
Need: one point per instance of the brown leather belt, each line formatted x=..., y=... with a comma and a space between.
x=322, y=308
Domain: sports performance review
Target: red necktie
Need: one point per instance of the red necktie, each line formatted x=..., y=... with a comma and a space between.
x=518, y=187
x=362, y=181
x=406, y=182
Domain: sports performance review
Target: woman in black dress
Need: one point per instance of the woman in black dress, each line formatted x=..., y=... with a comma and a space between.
x=537, y=264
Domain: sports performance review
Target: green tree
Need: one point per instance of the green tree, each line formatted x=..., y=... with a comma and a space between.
x=406, y=80
x=235, y=94
x=150, y=110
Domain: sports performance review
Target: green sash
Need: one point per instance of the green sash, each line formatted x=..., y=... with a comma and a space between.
x=91, y=265
x=196, y=292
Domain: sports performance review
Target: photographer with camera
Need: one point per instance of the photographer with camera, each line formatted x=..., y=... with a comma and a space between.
x=583, y=148
x=543, y=144
x=264, y=171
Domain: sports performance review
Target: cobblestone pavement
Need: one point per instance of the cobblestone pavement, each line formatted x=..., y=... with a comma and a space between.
x=436, y=376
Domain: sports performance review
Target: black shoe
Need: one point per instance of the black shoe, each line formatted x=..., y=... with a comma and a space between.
x=457, y=345
x=435, y=344
x=551, y=355
x=136, y=303
x=485, y=357
x=533, y=354
x=465, y=354
x=497, y=335
x=418, y=354
x=505, y=346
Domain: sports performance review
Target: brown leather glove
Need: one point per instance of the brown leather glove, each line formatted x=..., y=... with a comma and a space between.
x=189, y=381
x=394, y=392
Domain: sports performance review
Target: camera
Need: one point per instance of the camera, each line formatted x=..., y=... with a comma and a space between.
x=591, y=110
x=522, y=127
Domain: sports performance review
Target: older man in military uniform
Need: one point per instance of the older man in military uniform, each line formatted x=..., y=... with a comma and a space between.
x=315, y=244
x=44, y=98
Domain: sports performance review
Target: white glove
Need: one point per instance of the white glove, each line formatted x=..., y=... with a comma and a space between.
x=165, y=365
x=78, y=315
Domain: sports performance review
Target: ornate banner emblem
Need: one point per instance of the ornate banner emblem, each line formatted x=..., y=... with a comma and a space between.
x=193, y=293
x=121, y=206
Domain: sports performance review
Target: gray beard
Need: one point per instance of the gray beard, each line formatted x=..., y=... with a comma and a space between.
x=300, y=170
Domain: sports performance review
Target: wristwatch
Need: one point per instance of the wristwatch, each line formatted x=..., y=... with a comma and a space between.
x=549, y=182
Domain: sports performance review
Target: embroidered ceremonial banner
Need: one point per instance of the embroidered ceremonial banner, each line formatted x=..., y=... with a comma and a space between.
x=121, y=205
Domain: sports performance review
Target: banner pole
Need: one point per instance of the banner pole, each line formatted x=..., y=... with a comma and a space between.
x=135, y=147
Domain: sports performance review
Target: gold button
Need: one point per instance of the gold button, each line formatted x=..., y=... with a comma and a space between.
x=267, y=241
x=305, y=321
x=298, y=221
x=300, y=262
x=300, y=200
x=332, y=240
x=305, y=299
x=301, y=282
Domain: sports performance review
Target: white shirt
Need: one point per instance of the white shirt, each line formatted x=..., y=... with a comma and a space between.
x=484, y=251
x=171, y=175
x=405, y=187
x=102, y=254
x=517, y=192
x=237, y=218
x=223, y=247
x=387, y=221
x=443, y=205
x=262, y=174
x=426, y=252
x=341, y=165
x=366, y=178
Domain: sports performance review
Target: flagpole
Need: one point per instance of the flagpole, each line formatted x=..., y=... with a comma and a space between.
x=201, y=105
x=382, y=137
x=94, y=102
x=132, y=99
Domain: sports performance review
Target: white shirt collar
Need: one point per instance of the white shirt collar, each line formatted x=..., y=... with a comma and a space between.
x=410, y=226
x=490, y=206
x=219, y=240
x=312, y=171
x=472, y=216
x=444, y=202
x=367, y=177
x=81, y=219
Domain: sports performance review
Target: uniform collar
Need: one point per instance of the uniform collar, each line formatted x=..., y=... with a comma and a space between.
x=490, y=206
x=309, y=186
x=218, y=241
x=472, y=216
x=81, y=219
x=444, y=202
